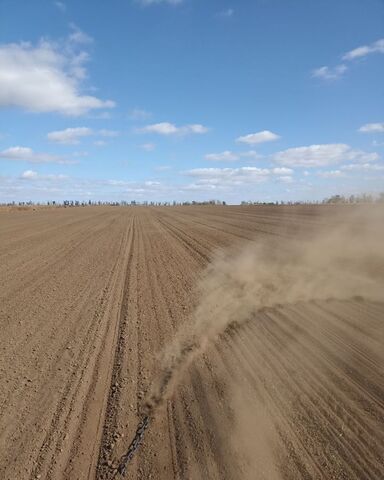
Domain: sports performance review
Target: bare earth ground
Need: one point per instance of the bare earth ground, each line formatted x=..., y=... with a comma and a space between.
x=90, y=296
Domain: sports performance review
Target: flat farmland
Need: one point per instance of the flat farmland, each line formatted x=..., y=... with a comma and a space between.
x=91, y=297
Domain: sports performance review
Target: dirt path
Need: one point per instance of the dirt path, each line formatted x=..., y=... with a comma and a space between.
x=90, y=297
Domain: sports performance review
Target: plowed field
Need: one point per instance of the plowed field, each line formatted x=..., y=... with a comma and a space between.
x=89, y=297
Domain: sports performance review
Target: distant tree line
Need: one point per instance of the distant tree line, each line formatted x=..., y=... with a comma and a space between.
x=124, y=203
x=334, y=199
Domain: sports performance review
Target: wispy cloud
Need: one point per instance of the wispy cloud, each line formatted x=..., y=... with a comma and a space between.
x=226, y=13
x=32, y=175
x=364, y=50
x=167, y=129
x=139, y=114
x=322, y=155
x=330, y=73
x=148, y=147
x=78, y=36
x=162, y=168
x=259, y=137
x=26, y=154
x=69, y=136
x=229, y=156
x=358, y=167
x=72, y=136
x=336, y=72
x=61, y=6
x=108, y=133
x=46, y=77
x=331, y=174
x=226, y=156
x=372, y=128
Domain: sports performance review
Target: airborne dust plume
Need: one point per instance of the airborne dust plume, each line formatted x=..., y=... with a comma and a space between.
x=343, y=262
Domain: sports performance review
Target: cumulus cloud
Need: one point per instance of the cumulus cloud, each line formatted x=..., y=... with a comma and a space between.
x=26, y=154
x=166, y=128
x=364, y=50
x=29, y=174
x=45, y=78
x=330, y=73
x=259, y=137
x=372, y=128
x=321, y=155
x=235, y=176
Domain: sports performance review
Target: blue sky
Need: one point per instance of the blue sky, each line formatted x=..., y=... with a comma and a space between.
x=191, y=99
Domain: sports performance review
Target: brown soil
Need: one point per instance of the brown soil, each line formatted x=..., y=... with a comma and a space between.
x=89, y=299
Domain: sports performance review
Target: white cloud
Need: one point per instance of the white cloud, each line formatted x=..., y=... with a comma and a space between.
x=148, y=147
x=78, y=36
x=363, y=167
x=139, y=114
x=166, y=128
x=321, y=155
x=229, y=156
x=364, y=50
x=259, y=137
x=61, y=6
x=225, y=156
x=26, y=154
x=29, y=174
x=282, y=171
x=72, y=136
x=32, y=175
x=331, y=174
x=372, y=128
x=286, y=179
x=229, y=176
x=69, y=136
x=330, y=73
x=221, y=177
x=45, y=78
x=100, y=143
x=334, y=73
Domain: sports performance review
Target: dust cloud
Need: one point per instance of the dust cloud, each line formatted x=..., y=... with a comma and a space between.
x=338, y=262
